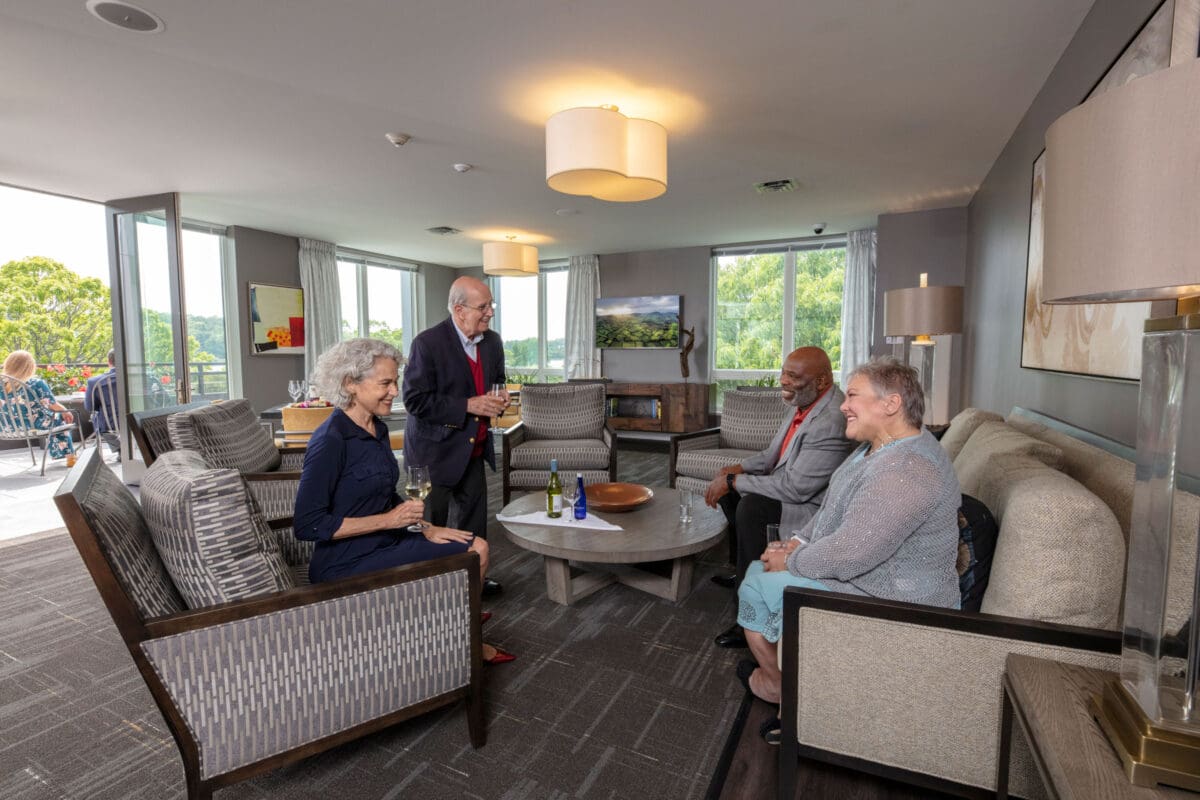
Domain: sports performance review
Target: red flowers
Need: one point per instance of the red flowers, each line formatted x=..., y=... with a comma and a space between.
x=72, y=382
x=165, y=379
x=87, y=372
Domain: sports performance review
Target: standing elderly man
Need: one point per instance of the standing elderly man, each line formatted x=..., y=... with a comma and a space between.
x=785, y=483
x=446, y=383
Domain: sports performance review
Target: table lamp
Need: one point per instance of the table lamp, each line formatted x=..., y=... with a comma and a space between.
x=923, y=312
x=1122, y=216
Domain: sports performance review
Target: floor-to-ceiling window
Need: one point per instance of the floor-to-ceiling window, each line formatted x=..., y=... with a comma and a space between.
x=771, y=299
x=379, y=298
x=531, y=318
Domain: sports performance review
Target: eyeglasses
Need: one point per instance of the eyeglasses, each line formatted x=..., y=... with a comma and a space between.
x=483, y=309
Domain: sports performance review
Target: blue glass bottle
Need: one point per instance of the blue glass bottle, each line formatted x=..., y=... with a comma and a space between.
x=580, y=497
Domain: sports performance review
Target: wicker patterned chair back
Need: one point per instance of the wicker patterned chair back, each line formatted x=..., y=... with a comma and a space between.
x=225, y=677
x=150, y=429
x=227, y=434
x=750, y=418
x=19, y=412
x=563, y=410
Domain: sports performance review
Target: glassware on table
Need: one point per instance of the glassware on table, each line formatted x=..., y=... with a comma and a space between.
x=569, y=494
x=417, y=487
x=686, y=501
x=498, y=390
x=296, y=390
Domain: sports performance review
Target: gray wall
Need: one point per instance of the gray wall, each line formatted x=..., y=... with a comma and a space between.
x=264, y=257
x=922, y=241
x=683, y=271
x=998, y=222
x=437, y=280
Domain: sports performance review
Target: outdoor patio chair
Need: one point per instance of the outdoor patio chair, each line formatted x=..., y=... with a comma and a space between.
x=563, y=421
x=17, y=413
x=105, y=413
x=150, y=429
x=269, y=676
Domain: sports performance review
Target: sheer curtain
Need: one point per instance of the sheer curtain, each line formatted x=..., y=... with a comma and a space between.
x=322, y=300
x=858, y=301
x=583, y=287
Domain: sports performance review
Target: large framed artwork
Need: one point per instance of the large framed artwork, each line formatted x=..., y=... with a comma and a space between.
x=1100, y=340
x=276, y=319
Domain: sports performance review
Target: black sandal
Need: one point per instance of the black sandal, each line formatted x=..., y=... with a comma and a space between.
x=771, y=731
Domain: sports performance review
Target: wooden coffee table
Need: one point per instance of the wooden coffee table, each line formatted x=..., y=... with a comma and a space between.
x=652, y=532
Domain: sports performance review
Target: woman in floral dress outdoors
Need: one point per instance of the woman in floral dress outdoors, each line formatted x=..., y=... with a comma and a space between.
x=47, y=411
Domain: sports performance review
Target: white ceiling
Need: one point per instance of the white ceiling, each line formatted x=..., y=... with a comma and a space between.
x=272, y=114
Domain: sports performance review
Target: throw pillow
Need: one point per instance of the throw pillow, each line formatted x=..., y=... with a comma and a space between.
x=976, y=544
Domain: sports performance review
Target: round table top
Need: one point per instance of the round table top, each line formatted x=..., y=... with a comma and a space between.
x=651, y=532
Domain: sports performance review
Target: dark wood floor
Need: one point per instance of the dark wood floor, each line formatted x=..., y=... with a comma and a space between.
x=752, y=773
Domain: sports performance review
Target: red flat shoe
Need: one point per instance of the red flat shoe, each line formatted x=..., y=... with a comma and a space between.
x=501, y=657
x=484, y=616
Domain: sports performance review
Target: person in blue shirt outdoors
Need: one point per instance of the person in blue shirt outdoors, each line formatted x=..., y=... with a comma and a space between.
x=101, y=391
x=347, y=501
x=42, y=410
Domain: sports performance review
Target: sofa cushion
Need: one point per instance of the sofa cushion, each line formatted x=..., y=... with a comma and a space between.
x=750, y=419
x=705, y=464
x=992, y=439
x=227, y=435
x=976, y=545
x=1060, y=555
x=572, y=454
x=961, y=428
x=209, y=532
x=562, y=410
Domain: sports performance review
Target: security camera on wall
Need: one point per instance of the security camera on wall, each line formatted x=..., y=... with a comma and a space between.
x=819, y=228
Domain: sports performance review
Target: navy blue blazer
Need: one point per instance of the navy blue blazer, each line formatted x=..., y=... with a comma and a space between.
x=439, y=433
x=93, y=398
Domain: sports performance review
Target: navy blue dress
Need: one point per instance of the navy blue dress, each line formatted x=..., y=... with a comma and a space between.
x=349, y=473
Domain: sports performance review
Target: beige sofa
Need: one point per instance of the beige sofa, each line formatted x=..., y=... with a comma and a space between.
x=913, y=693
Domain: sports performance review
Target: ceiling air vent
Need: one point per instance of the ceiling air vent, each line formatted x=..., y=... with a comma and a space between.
x=774, y=187
x=444, y=230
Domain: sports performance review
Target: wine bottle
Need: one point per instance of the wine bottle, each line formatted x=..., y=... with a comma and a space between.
x=580, y=497
x=554, y=492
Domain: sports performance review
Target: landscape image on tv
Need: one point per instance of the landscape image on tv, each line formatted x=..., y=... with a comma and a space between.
x=638, y=321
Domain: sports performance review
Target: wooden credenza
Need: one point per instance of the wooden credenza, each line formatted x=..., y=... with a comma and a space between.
x=666, y=407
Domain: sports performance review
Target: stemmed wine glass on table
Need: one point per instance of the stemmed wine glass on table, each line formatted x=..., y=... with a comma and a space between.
x=296, y=390
x=417, y=487
x=497, y=390
x=570, y=492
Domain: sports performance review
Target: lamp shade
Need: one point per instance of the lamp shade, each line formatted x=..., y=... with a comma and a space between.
x=923, y=311
x=509, y=259
x=602, y=153
x=1122, y=209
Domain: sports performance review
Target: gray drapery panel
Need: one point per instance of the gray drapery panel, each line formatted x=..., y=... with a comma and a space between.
x=583, y=287
x=858, y=301
x=322, y=300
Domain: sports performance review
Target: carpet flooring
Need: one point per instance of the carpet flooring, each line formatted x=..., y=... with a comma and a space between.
x=621, y=695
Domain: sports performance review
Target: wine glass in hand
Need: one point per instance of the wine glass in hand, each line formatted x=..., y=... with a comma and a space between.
x=498, y=390
x=417, y=487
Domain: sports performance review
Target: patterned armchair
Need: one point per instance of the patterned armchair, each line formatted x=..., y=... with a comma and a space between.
x=263, y=679
x=150, y=429
x=749, y=419
x=229, y=435
x=563, y=421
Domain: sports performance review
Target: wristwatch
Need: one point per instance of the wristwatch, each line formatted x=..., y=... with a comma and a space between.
x=729, y=476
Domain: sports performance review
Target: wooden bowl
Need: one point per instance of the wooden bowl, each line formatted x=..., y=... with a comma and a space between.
x=616, y=496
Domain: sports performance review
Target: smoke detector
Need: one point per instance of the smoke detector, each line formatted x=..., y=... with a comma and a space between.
x=125, y=15
x=444, y=230
x=775, y=187
x=398, y=139
x=463, y=167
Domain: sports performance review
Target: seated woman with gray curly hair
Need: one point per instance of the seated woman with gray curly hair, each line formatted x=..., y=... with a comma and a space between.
x=888, y=527
x=347, y=501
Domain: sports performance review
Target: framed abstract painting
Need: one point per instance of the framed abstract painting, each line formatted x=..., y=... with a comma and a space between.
x=276, y=320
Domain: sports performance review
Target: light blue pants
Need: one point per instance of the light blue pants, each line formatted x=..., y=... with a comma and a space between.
x=760, y=599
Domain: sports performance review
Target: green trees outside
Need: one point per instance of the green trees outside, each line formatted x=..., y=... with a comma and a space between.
x=522, y=354
x=54, y=313
x=750, y=307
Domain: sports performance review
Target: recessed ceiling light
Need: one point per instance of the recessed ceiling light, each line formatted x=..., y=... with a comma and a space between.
x=126, y=16
x=463, y=167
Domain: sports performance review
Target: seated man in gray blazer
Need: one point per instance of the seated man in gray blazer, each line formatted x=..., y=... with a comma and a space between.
x=785, y=483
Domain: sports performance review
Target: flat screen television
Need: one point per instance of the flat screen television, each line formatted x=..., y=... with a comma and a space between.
x=627, y=322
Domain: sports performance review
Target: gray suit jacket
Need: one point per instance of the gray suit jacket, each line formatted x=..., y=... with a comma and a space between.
x=800, y=478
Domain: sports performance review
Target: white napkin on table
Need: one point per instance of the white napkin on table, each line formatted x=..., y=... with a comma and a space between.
x=589, y=522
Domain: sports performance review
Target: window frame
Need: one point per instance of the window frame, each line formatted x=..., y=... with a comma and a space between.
x=542, y=372
x=789, y=249
x=411, y=310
